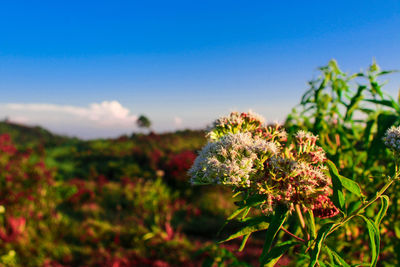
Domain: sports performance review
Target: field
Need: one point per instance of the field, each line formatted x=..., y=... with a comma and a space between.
x=129, y=201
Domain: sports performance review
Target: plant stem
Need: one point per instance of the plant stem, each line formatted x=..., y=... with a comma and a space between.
x=311, y=224
x=292, y=235
x=300, y=216
x=302, y=222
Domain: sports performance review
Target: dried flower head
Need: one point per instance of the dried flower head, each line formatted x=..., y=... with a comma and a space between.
x=392, y=139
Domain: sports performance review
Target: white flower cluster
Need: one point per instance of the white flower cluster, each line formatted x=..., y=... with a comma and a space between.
x=231, y=160
x=392, y=139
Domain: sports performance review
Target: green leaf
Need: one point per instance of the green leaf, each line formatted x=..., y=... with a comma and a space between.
x=245, y=213
x=386, y=72
x=345, y=182
x=385, y=102
x=277, y=221
x=354, y=102
x=244, y=241
x=322, y=233
x=338, y=260
x=367, y=110
x=351, y=185
x=337, y=196
x=368, y=130
x=236, y=213
x=309, y=216
x=277, y=251
x=249, y=226
x=383, y=210
x=396, y=227
x=251, y=201
x=374, y=239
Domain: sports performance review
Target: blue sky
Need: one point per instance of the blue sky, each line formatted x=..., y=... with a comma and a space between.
x=87, y=68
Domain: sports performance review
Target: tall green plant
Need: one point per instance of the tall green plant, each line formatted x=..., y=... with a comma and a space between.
x=351, y=113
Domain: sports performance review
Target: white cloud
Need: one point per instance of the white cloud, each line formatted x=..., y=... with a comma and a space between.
x=19, y=119
x=105, y=119
x=105, y=113
x=178, y=121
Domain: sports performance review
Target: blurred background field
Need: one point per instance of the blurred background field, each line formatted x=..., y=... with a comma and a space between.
x=86, y=181
x=108, y=202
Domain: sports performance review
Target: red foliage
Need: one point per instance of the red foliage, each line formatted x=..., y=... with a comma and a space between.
x=155, y=157
x=6, y=145
x=23, y=178
x=52, y=263
x=169, y=230
x=179, y=164
x=15, y=227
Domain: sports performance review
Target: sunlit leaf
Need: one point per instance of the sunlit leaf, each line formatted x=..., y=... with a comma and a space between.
x=322, y=233
x=345, y=182
x=244, y=241
x=374, y=238
x=337, y=258
x=249, y=226
x=277, y=220
x=383, y=210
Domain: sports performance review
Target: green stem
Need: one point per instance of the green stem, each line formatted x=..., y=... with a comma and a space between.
x=302, y=222
x=311, y=224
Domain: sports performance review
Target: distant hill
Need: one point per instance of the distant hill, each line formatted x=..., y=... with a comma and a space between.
x=30, y=136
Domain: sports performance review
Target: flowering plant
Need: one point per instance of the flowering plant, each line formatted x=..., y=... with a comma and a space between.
x=283, y=176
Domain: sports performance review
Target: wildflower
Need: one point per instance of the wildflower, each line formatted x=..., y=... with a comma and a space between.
x=244, y=153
